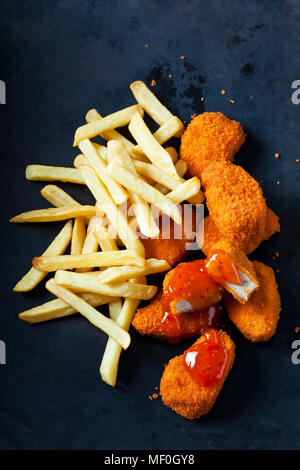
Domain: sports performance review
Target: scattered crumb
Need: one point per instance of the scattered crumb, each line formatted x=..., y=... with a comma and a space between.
x=251, y=97
x=297, y=160
x=156, y=388
x=182, y=57
x=223, y=92
x=170, y=76
x=232, y=101
x=202, y=99
x=153, y=83
x=193, y=115
x=146, y=45
x=276, y=254
x=277, y=270
x=278, y=182
x=155, y=396
x=277, y=155
x=150, y=397
x=297, y=329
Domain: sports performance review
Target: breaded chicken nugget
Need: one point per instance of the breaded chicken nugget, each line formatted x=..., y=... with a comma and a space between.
x=212, y=235
x=257, y=319
x=235, y=203
x=150, y=321
x=186, y=397
x=172, y=241
x=225, y=259
x=210, y=137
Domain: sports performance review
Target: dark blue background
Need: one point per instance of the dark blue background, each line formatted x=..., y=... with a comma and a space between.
x=61, y=58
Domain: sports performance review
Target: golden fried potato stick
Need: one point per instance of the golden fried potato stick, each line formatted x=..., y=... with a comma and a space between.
x=78, y=236
x=90, y=260
x=125, y=273
x=89, y=282
x=105, y=202
x=57, y=247
x=58, y=308
x=150, y=103
x=118, y=119
x=57, y=196
x=90, y=243
x=53, y=173
x=117, y=192
x=150, y=146
x=96, y=318
x=54, y=214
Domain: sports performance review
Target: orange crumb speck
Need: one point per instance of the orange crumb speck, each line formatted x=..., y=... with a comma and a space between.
x=182, y=57
x=277, y=270
x=223, y=92
x=156, y=388
x=153, y=83
x=155, y=396
x=297, y=329
x=278, y=182
x=276, y=155
x=232, y=101
x=276, y=254
x=202, y=99
x=146, y=45
x=297, y=160
x=150, y=397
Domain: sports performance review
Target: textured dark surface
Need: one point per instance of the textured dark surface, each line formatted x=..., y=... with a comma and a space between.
x=58, y=60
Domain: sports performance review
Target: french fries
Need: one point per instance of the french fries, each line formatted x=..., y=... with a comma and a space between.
x=54, y=214
x=90, y=244
x=96, y=318
x=105, y=202
x=150, y=103
x=90, y=283
x=57, y=308
x=150, y=146
x=118, y=119
x=57, y=247
x=116, y=191
x=78, y=236
x=185, y=191
x=53, y=173
x=91, y=260
x=125, y=273
x=57, y=196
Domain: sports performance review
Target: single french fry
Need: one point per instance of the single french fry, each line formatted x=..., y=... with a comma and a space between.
x=57, y=196
x=125, y=273
x=115, y=307
x=150, y=103
x=185, y=191
x=54, y=214
x=90, y=283
x=104, y=239
x=93, y=115
x=57, y=247
x=181, y=167
x=78, y=236
x=105, y=202
x=53, y=173
x=116, y=191
x=91, y=260
x=57, y=308
x=154, y=151
x=142, y=210
x=111, y=356
x=81, y=160
x=90, y=243
x=172, y=128
x=118, y=119
x=96, y=318
x=143, y=189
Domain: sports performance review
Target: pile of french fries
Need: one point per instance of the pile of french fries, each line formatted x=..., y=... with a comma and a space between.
x=107, y=264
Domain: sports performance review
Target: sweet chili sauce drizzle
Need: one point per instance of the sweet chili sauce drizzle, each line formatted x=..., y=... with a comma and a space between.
x=221, y=268
x=206, y=361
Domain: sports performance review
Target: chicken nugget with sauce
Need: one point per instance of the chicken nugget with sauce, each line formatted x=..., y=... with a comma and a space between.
x=227, y=265
x=236, y=204
x=191, y=383
x=171, y=244
x=257, y=319
x=208, y=138
x=154, y=320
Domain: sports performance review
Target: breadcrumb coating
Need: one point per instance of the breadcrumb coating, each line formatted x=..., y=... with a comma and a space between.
x=148, y=321
x=185, y=396
x=210, y=137
x=257, y=319
x=171, y=246
x=235, y=203
x=212, y=235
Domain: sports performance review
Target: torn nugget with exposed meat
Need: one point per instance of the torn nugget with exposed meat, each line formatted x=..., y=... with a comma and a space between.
x=191, y=383
x=211, y=234
x=208, y=138
x=236, y=204
x=188, y=288
x=257, y=319
x=228, y=266
x=155, y=320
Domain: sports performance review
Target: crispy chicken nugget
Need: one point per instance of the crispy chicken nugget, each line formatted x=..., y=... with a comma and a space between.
x=182, y=394
x=248, y=277
x=149, y=320
x=212, y=235
x=210, y=137
x=235, y=203
x=257, y=319
x=172, y=241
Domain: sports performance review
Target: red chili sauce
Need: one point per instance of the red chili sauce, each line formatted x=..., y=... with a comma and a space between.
x=221, y=268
